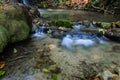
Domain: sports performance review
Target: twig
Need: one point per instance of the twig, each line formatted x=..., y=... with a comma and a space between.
x=17, y=58
x=102, y=9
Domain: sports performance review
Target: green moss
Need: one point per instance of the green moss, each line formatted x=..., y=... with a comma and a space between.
x=3, y=37
x=14, y=13
x=61, y=22
x=13, y=27
x=53, y=22
x=18, y=30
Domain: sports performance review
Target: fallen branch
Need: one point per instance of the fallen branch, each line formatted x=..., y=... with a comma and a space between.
x=17, y=58
x=102, y=9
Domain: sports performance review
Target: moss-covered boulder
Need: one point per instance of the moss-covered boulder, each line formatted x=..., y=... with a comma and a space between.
x=13, y=26
x=18, y=30
x=3, y=38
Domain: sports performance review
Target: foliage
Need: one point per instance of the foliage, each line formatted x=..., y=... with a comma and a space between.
x=54, y=76
x=2, y=65
x=45, y=70
x=2, y=72
x=61, y=22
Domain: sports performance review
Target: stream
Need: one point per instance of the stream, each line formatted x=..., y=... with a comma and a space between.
x=78, y=55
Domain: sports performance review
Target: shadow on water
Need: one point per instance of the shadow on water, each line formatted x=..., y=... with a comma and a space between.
x=77, y=15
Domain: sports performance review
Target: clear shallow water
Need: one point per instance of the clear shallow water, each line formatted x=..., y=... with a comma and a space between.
x=103, y=54
x=77, y=15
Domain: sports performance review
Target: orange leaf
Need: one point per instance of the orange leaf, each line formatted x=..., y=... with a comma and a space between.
x=2, y=65
x=96, y=79
x=114, y=77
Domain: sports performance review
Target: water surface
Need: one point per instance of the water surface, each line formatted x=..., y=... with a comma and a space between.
x=77, y=15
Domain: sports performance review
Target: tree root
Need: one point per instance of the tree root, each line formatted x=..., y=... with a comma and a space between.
x=17, y=58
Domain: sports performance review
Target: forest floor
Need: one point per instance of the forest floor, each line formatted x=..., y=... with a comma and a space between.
x=46, y=59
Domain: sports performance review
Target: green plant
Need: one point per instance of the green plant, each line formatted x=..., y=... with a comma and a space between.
x=2, y=73
x=61, y=22
x=54, y=76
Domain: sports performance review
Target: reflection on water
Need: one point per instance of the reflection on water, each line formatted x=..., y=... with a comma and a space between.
x=76, y=15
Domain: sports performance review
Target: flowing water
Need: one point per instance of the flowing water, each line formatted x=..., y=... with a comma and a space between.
x=91, y=54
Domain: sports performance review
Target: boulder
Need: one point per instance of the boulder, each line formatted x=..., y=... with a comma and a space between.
x=13, y=26
x=18, y=30
x=3, y=38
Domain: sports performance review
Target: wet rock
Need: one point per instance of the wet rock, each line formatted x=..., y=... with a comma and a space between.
x=112, y=36
x=86, y=23
x=108, y=75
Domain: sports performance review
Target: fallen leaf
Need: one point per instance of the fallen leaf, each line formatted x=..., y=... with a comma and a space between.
x=45, y=70
x=2, y=65
x=51, y=46
x=96, y=79
x=14, y=50
x=115, y=78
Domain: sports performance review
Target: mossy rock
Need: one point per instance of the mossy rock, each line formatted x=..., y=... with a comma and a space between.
x=62, y=23
x=14, y=13
x=18, y=30
x=3, y=38
x=105, y=24
x=13, y=27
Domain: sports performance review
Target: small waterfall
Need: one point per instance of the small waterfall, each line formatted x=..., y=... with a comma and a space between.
x=71, y=38
x=78, y=26
x=39, y=31
x=76, y=37
x=27, y=3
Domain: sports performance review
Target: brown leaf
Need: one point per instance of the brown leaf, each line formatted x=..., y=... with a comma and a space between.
x=2, y=65
x=115, y=78
x=96, y=79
